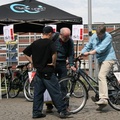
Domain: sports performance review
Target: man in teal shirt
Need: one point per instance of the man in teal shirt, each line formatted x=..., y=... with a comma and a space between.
x=101, y=45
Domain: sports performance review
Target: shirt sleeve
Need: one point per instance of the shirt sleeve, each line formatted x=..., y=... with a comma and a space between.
x=104, y=44
x=28, y=50
x=88, y=46
x=71, y=53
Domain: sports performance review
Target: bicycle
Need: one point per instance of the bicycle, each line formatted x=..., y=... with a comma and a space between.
x=78, y=93
x=6, y=77
x=29, y=89
x=17, y=84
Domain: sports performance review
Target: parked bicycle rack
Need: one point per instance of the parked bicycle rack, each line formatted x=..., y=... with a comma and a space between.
x=1, y=89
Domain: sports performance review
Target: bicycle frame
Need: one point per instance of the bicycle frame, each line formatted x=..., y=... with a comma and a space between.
x=87, y=78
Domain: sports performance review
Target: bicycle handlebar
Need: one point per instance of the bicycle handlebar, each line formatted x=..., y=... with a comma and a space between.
x=23, y=65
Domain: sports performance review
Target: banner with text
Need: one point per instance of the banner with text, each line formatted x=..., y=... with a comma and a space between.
x=8, y=32
x=77, y=32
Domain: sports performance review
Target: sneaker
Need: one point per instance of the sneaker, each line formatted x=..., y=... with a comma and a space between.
x=100, y=108
x=39, y=116
x=102, y=101
x=64, y=114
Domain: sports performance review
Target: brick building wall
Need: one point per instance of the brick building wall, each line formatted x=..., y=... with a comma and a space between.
x=24, y=39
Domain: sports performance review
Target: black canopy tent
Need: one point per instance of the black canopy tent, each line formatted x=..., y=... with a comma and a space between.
x=32, y=16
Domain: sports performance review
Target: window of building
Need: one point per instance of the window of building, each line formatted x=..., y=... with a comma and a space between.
x=2, y=55
x=23, y=46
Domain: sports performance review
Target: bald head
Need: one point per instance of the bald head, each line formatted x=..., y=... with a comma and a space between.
x=65, y=34
x=65, y=31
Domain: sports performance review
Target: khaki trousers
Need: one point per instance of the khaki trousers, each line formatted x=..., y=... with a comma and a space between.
x=105, y=67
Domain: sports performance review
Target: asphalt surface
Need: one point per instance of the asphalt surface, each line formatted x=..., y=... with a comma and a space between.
x=20, y=109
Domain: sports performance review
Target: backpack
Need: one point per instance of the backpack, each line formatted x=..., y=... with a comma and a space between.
x=55, y=36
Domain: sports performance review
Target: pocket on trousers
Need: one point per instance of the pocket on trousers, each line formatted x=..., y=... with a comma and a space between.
x=47, y=75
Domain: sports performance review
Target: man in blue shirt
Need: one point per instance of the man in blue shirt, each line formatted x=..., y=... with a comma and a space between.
x=101, y=45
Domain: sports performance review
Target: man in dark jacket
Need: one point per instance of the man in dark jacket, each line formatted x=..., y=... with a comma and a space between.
x=65, y=51
x=42, y=54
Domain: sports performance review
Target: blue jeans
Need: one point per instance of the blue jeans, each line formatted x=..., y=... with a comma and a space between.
x=60, y=71
x=52, y=85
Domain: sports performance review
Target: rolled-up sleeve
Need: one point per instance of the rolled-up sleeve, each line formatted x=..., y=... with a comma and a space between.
x=104, y=44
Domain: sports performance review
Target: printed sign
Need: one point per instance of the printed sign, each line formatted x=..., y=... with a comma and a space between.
x=77, y=32
x=8, y=33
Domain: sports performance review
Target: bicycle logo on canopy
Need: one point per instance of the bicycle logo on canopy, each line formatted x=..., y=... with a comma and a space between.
x=21, y=8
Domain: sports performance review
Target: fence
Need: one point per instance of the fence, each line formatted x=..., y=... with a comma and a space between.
x=116, y=44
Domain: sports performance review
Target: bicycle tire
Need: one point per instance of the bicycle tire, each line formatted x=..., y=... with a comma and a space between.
x=28, y=90
x=114, y=100
x=77, y=100
x=113, y=92
x=14, y=88
x=3, y=90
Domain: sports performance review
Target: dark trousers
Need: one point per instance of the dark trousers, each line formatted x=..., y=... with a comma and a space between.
x=52, y=85
x=60, y=71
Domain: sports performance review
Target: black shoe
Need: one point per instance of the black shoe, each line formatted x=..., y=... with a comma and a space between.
x=64, y=114
x=93, y=99
x=100, y=108
x=49, y=107
x=39, y=115
x=49, y=110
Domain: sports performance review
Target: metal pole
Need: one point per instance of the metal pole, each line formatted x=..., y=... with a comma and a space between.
x=0, y=87
x=90, y=33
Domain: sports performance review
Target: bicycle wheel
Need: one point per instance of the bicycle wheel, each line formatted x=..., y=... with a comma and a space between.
x=114, y=92
x=5, y=88
x=77, y=94
x=14, y=88
x=28, y=90
x=114, y=95
x=114, y=99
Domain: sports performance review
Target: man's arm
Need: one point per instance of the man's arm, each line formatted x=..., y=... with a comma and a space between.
x=54, y=57
x=71, y=53
x=92, y=52
x=29, y=58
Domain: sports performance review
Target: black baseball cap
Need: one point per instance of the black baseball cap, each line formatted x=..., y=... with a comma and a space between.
x=48, y=29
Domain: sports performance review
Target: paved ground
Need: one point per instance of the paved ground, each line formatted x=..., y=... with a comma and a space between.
x=19, y=109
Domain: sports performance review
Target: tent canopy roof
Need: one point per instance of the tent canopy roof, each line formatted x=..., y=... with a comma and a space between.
x=34, y=14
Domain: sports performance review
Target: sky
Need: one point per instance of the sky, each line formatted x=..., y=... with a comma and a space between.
x=107, y=11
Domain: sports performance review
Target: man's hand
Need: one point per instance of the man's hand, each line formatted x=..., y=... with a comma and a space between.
x=86, y=53
x=73, y=68
x=89, y=53
x=51, y=64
